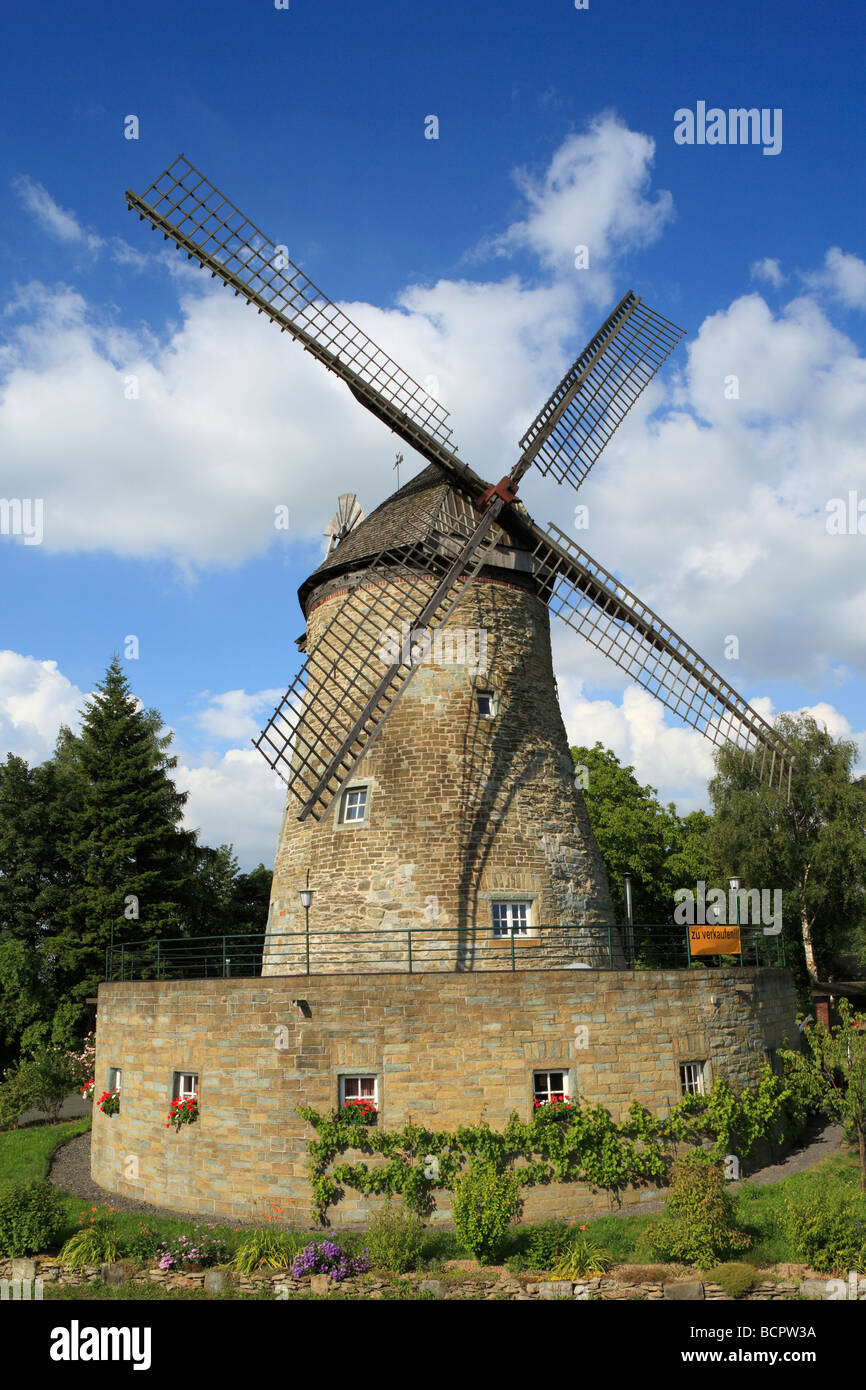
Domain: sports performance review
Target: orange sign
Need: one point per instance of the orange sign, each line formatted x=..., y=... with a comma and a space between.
x=715, y=939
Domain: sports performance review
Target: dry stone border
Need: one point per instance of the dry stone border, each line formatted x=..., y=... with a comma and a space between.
x=783, y=1282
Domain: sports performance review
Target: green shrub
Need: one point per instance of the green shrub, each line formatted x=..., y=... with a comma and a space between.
x=735, y=1278
x=16, y=1096
x=395, y=1240
x=583, y=1257
x=485, y=1203
x=699, y=1226
x=547, y=1244
x=828, y=1230
x=266, y=1248
x=31, y=1216
x=142, y=1243
x=49, y=1076
x=516, y=1264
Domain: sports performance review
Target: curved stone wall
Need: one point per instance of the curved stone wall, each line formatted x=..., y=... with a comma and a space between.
x=445, y=1049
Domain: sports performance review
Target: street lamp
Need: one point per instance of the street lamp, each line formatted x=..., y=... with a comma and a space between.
x=306, y=899
x=735, y=884
x=629, y=917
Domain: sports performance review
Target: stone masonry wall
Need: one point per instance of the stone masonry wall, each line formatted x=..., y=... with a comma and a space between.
x=447, y=1049
x=462, y=810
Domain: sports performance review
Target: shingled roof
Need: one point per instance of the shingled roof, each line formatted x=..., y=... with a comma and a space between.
x=402, y=519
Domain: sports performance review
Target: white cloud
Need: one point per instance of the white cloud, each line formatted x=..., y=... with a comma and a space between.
x=235, y=715
x=58, y=222
x=237, y=800
x=35, y=699
x=595, y=192
x=843, y=277
x=770, y=270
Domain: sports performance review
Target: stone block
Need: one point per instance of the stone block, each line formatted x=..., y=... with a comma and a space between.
x=814, y=1288
x=684, y=1290
x=434, y=1286
x=23, y=1269
x=555, y=1288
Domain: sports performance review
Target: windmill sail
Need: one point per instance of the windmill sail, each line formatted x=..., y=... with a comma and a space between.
x=353, y=678
x=597, y=392
x=191, y=211
x=593, y=602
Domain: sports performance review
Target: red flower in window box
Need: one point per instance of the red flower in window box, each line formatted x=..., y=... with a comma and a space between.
x=359, y=1111
x=183, y=1112
x=109, y=1102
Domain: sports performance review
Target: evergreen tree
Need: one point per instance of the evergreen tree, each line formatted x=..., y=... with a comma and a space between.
x=34, y=887
x=125, y=846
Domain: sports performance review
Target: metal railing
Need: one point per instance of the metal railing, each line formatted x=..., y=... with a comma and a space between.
x=415, y=950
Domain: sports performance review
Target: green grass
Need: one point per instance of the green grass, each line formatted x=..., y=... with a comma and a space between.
x=26, y=1153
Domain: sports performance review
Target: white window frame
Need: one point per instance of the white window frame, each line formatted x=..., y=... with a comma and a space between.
x=487, y=695
x=181, y=1092
x=504, y=931
x=544, y=1093
x=693, y=1078
x=115, y=1078
x=357, y=1077
x=344, y=805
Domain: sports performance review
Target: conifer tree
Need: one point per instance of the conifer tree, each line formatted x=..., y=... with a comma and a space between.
x=124, y=843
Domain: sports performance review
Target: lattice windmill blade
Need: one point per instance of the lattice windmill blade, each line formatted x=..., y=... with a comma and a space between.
x=348, y=515
x=352, y=679
x=192, y=212
x=594, y=603
x=597, y=392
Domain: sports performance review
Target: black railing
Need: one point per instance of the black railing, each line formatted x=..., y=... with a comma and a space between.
x=419, y=950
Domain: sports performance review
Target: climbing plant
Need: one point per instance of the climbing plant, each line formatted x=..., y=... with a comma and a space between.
x=560, y=1143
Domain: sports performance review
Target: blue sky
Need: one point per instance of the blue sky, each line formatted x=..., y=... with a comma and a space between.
x=556, y=128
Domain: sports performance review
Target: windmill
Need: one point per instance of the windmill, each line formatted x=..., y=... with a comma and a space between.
x=565, y=439
x=411, y=578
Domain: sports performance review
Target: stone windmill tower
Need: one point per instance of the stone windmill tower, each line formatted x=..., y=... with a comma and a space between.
x=430, y=782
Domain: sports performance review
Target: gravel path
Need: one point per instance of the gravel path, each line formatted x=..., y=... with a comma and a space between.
x=70, y=1170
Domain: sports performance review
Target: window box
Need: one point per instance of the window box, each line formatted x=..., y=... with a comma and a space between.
x=359, y=1099
x=552, y=1088
x=184, y=1106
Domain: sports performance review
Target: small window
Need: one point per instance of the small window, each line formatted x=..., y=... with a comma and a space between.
x=354, y=806
x=774, y=1061
x=692, y=1078
x=114, y=1079
x=185, y=1085
x=485, y=702
x=511, y=919
x=549, y=1086
x=362, y=1091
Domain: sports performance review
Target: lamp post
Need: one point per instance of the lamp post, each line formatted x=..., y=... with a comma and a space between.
x=306, y=899
x=735, y=884
x=629, y=917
